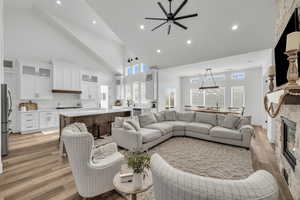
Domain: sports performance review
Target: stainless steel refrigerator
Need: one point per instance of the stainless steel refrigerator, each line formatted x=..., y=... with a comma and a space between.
x=6, y=105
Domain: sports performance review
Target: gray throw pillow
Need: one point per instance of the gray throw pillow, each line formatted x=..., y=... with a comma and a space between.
x=160, y=116
x=245, y=120
x=170, y=115
x=134, y=123
x=147, y=119
x=128, y=126
x=220, y=119
x=207, y=118
x=185, y=116
x=231, y=121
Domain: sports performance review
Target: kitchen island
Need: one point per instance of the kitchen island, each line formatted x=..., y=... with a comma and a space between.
x=98, y=121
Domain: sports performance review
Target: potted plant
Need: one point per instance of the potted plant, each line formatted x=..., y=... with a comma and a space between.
x=139, y=162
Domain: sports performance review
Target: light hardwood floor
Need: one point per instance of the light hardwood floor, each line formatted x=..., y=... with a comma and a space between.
x=35, y=170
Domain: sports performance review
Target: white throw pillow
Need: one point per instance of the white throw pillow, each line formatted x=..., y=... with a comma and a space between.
x=134, y=123
x=128, y=126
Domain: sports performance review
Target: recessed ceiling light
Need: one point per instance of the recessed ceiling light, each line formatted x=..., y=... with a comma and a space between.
x=158, y=51
x=189, y=41
x=58, y=2
x=94, y=22
x=142, y=27
x=234, y=27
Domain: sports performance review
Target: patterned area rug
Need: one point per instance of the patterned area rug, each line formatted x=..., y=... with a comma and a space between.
x=201, y=158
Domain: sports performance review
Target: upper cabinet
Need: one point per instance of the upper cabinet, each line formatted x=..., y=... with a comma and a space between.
x=66, y=77
x=35, y=80
x=89, y=85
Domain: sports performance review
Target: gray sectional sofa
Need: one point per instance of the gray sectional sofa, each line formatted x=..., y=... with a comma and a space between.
x=155, y=128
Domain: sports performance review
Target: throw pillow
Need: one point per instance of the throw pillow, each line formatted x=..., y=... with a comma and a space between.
x=207, y=118
x=147, y=119
x=245, y=120
x=230, y=121
x=119, y=121
x=220, y=119
x=134, y=123
x=185, y=116
x=128, y=126
x=160, y=116
x=170, y=115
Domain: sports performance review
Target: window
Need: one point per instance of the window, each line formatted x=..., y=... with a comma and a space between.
x=238, y=96
x=143, y=92
x=136, y=92
x=128, y=92
x=214, y=97
x=196, y=80
x=170, y=98
x=196, y=97
x=238, y=76
x=209, y=98
x=144, y=68
x=136, y=69
x=129, y=71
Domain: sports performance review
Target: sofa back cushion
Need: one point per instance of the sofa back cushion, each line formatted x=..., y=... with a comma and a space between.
x=185, y=116
x=160, y=116
x=208, y=118
x=244, y=120
x=231, y=121
x=147, y=119
x=170, y=115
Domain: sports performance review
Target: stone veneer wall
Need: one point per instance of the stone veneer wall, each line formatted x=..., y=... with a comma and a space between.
x=292, y=112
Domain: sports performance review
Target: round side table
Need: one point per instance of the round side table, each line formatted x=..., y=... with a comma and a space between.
x=128, y=188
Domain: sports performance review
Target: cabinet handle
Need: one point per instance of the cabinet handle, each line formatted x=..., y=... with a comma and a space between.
x=29, y=120
x=29, y=126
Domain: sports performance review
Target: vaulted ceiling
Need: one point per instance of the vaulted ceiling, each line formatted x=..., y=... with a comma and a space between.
x=210, y=32
x=118, y=28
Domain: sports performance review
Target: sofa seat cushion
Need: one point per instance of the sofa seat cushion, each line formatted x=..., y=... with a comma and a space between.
x=163, y=127
x=198, y=127
x=178, y=125
x=149, y=135
x=221, y=132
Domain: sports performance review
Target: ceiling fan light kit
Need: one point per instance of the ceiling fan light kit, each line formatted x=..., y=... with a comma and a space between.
x=171, y=17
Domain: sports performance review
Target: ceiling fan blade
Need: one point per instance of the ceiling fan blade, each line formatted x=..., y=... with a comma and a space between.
x=154, y=18
x=159, y=26
x=169, y=30
x=180, y=7
x=180, y=25
x=163, y=9
x=186, y=16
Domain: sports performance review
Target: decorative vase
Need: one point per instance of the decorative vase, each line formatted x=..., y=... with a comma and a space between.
x=137, y=181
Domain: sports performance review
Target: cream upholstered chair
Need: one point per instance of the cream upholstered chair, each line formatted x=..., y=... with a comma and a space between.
x=93, y=168
x=172, y=184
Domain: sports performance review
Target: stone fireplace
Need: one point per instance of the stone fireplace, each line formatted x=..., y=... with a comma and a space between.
x=287, y=148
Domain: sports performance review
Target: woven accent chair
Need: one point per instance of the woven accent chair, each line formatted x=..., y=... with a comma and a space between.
x=93, y=168
x=172, y=184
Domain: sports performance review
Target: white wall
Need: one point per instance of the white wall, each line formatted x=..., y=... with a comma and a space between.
x=252, y=83
x=28, y=36
x=1, y=66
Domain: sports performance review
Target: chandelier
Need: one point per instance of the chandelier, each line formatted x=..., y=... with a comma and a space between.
x=208, y=73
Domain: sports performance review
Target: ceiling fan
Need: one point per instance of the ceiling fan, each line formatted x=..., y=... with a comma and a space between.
x=172, y=17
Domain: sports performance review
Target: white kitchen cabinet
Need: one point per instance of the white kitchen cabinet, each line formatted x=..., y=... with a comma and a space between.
x=29, y=122
x=48, y=119
x=66, y=77
x=89, y=85
x=35, y=81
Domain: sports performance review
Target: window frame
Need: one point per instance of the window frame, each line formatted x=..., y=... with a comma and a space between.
x=231, y=95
